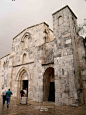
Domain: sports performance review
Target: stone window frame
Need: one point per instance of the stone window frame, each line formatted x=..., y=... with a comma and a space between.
x=4, y=64
x=73, y=21
x=28, y=35
x=62, y=71
x=74, y=26
x=23, y=58
x=47, y=32
x=58, y=20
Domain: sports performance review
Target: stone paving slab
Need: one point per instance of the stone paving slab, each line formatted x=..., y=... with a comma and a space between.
x=34, y=108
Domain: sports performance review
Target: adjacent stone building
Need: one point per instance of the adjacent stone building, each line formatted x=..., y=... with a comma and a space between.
x=48, y=63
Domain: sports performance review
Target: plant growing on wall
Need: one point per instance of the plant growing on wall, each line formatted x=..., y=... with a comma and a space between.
x=81, y=31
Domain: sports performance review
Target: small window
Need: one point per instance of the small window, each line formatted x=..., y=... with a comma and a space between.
x=74, y=25
x=24, y=58
x=73, y=22
x=60, y=21
x=24, y=40
x=4, y=65
x=62, y=71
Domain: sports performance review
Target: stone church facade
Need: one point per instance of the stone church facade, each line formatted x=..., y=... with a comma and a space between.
x=48, y=63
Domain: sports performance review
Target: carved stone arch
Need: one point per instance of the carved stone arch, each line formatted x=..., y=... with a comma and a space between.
x=49, y=85
x=19, y=72
x=23, y=75
x=4, y=64
x=24, y=58
x=26, y=34
x=60, y=20
x=24, y=40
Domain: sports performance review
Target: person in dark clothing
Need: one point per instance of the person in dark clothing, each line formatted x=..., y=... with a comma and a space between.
x=21, y=95
x=4, y=96
x=8, y=95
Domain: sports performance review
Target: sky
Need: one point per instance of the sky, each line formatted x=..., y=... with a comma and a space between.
x=17, y=15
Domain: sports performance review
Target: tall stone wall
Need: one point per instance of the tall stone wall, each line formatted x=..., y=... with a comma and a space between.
x=35, y=50
x=35, y=39
x=5, y=73
x=66, y=93
x=34, y=56
x=43, y=55
x=82, y=69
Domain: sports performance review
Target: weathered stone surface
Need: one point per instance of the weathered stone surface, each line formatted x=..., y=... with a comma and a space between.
x=46, y=62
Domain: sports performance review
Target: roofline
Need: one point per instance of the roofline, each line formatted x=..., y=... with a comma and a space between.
x=50, y=29
x=63, y=8
x=4, y=56
x=31, y=27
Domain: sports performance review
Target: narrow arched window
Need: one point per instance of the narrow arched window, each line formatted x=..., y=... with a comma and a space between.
x=62, y=71
x=4, y=65
x=73, y=22
x=24, y=58
x=74, y=25
x=24, y=40
x=60, y=21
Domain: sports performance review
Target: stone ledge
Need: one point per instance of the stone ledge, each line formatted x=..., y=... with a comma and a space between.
x=47, y=63
x=23, y=64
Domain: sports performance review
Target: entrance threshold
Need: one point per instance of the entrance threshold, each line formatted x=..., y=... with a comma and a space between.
x=49, y=102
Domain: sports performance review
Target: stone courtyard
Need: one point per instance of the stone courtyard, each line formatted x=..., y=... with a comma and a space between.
x=35, y=108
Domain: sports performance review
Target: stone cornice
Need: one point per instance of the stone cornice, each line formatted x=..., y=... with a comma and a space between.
x=23, y=64
x=47, y=63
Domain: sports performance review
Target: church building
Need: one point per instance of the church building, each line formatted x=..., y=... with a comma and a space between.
x=50, y=64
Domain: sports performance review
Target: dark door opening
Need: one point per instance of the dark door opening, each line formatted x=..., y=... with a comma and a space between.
x=52, y=92
x=25, y=85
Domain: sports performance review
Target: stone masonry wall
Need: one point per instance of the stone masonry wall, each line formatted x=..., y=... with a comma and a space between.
x=66, y=93
x=35, y=50
x=5, y=73
x=82, y=67
x=36, y=39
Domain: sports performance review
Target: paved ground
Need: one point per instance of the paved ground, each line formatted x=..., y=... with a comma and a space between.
x=34, y=108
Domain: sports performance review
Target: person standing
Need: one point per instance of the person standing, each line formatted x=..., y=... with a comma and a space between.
x=25, y=93
x=21, y=95
x=4, y=96
x=8, y=94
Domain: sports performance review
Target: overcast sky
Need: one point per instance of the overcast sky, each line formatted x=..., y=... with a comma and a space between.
x=17, y=15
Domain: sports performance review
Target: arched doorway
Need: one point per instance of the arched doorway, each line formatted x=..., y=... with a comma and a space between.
x=49, y=85
x=23, y=81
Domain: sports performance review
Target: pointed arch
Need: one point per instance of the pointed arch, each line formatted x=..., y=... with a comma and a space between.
x=24, y=58
x=21, y=71
x=24, y=40
x=22, y=76
x=60, y=20
x=49, y=85
x=4, y=65
x=27, y=34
